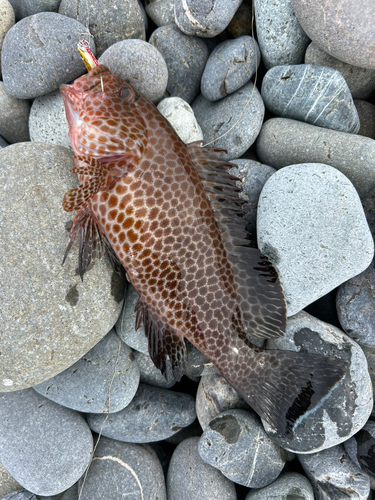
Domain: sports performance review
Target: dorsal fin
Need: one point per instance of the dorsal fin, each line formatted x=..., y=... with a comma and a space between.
x=260, y=294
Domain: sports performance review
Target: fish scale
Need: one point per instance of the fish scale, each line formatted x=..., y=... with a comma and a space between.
x=172, y=216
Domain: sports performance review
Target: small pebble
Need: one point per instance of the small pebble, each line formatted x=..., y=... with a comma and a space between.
x=360, y=449
x=153, y=415
x=288, y=486
x=160, y=11
x=366, y=113
x=189, y=477
x=140, y=64
x=151, y=375
x=14, y=117
x=312, y=94
x=180, y=115
x=235, y=443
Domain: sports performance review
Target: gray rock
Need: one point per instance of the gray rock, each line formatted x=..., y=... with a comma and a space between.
x=333, y=475
x=3, y=143
x=360, y=449
x=14, y=117
x=153, y=415
x=231, y=64
x=31, y=45
x=71, y=493
x=366, y=114
x=239, y=116
x=204, y=19
x=186, y=58
x=108, y=368
x=123, y=470
x=236, y=444
x=361, y=81
x=109, y=22
x=24, y=8
x=280, y=36
x=288, y=486
x=283, y=142
x=7, y=19
x=47, y=120
x=190, y=477
x=144, y=15
x=151, y=375
x=181, y=117
x=253, y=175
x=48, y=328
x=313, y=94
x=160, y=11
x=45, y=446
x=191, y=430
x=347, y=407
x=356, y=307
x=140, y=64
x=346, y=32
x=310, y=221
x=7, y=482
x=215, y=395
x=370, y=358
x=20, y=495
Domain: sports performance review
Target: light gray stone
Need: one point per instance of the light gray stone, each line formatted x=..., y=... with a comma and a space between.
x=160, y=11
x=361, y=81
x=45, y=446
x=180, y=115
x=7, y=20
x=7, y=482
x=312, y=94
x=49, y=317
x=288, y=486
x=14, y=117
x=151, y=375
x=347, y=407
x=280, y=36
x=284, y=142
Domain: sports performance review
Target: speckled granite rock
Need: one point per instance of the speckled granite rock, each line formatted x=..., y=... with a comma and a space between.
x=360, y=449
x=44, y=446
x=160, y=11
x=366, y=114
x=181, y=117
x=288, y=486
x=347, y=407
x=14, y=117
x=7, y=482
x=31, y=45
x=48, y=328
x=109, y=22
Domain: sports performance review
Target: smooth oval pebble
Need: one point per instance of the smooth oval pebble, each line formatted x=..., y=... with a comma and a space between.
x=235, y=443
x=104, y=380
x=180, y=115
x=160, y=11
x=312, y=94
x=45, y=446
x=31, y=45
x=230, y=65
x=237, y=117
x=123, y=470
x=14, y=117
x=284, y=142
x=51, y=317
x=189, y=477
x=347, y=407
x=153, y=415
x=288, y=486
x=140, y=64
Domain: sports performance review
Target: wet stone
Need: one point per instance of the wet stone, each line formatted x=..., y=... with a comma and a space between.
x=180, y=115
x=190, y=477
x=347, y=407
x=14, y=117
x=140, y=64
x=186, y=58
x=31, y=45
x=313, y=94
x=153, y=415
x=231, y=64
x=216, y=118
x=366, y=113
x=332, y=473
x=85, y=385
x=360, y=449
x=160, y=11
x=288, y=486
x=43, y=445
x=151, y=375
x=120, y=470
x=235, y=443
x=280, y=35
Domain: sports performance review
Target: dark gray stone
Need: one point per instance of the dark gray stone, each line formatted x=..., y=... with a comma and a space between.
x=197, y=363
x=333, y=475
x=313, y=94
x=140, y=64
x=153, y=415
x=231, y=64
x=45, y=446
x=123, y=470
x=360, y=449
x=236, y=444
x=186, y=58
x=14, y=116
x=20, y=495
x=31, y=45
x=151, y=375
x=160, y=11
x=361, y=81
x=109, y=21
x=108, y=368
x=284, y=142
x=305, y=215
x=239, y=116
x=3, y=143
x=71, y=493
x=347, y=407
x=280, y=36
x=366, y=114
x=191, y=430
x=190, y=477
x=24, y=8
x=288, y=486
x=49, y=327
x=370, y=357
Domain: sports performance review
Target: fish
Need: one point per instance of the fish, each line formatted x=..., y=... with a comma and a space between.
x=171, y=215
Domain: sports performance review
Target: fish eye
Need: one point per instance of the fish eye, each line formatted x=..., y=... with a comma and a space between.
x=124, y=93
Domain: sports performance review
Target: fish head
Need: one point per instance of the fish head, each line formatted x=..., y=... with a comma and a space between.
x=104, y=116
